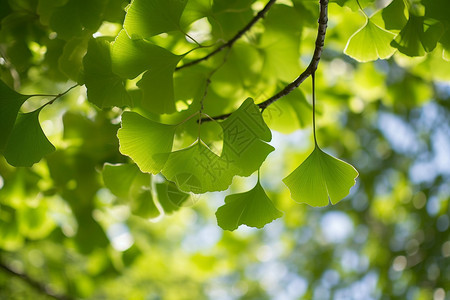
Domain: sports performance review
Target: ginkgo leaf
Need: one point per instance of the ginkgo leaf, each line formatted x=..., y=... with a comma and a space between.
x=244, y=139
x=142, y=202
x=170, y=197
x=419, y=36
x=132, y=57
x=10, y=103
x=146, y=18
x=321, y=178
x=252, y=208
x=369, y=43
x=27, y=144
x=199, y=170
x=104, y=88
x=146, y=142
x=118, y=178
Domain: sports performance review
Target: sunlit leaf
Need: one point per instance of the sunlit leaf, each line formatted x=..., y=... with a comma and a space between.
x=118, y=178
x=320, y=179
x=145, y=141
x=419, y=36
x=104, y=88
x=142, y=202
x=244, y=139
x=252, y=208
x=132, y=57
x=197, y=169
x=369, y=43
x=394, y=15
x=27, y=144
x=146, y=18
x=10, y=103
x=170, y=197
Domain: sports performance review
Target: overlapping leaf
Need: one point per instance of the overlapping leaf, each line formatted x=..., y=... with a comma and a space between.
x=320, y=179
x=132, y=57
x=104, y=88
x=419, y=36
x=127, y=182
x=244, y=139
x=146, y=142
x=369, y=43
x=252, y=208
x=27, y=144
x=146, y=18
x=10, y=103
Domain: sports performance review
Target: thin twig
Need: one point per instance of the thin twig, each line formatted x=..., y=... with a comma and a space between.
x=34, y=284
x=238, y=35
x=57, y=96
x=312, y=67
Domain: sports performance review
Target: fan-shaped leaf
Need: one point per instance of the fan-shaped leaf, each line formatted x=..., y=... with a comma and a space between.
x=27, y=144
x=244, y=137
x=321, y=178
x=104, y=88
x=146, y=18
x=197, y=169
x=252, y=208
x=10, y=103
x=132, y=57
x=146, y=142
x=370, y=43
x=419, y=36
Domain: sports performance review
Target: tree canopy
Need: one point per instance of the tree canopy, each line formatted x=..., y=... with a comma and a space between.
x=224, y=149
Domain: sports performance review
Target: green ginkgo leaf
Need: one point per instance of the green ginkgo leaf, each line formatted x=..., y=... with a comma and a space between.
x=321, y=178
x=132, y=57
x=10, y=103
x=199, y=170
x=170, y=197
x=104, y=88
x=244, y=139
x=118, y=178
x=146, y=142
x=252, y=208
x=369, y=43
x=141, y=200
x=146, y=18
x=27, y=144
x=419, y=36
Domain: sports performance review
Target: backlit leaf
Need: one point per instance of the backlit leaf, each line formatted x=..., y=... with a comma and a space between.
x=321, y=178
x=118, y=178
x=10, y=103
x=419, y=36
x=146, y=18
x=132, y=57
x=197, y=169
x=27, y=144
x=244, y=139
x=370, y=43
x=252, y=208
x=146, y=142
x=104, y=88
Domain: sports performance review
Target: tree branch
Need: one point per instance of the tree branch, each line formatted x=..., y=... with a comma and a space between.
x=41, y=288
x=312, y=67
x=238, y=35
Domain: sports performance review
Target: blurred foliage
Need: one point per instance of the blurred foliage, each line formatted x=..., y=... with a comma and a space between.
x=85, y=223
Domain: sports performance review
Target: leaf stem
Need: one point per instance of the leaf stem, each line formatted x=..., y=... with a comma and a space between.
x=313, y=76
x=361, y=9
x=55, y=97
x=312, y=67
x=230, y=43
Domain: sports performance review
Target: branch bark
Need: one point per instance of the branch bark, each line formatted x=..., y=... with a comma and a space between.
x=312, y=67
x=238, y=35
x=41, y=288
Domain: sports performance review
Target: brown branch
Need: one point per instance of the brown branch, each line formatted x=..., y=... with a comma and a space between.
x=41, y=288
x=312, y=67
x=238, y=35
